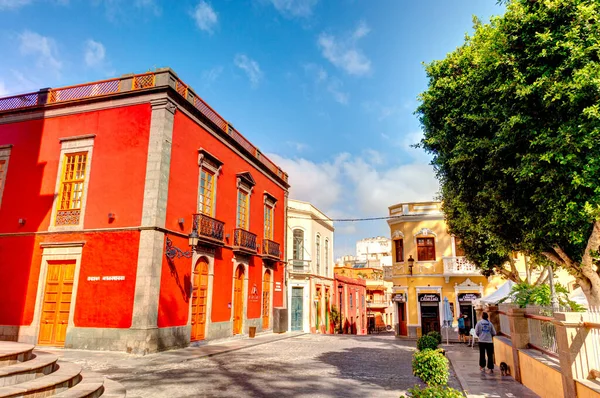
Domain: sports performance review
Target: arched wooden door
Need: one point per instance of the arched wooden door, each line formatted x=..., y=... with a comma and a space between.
x=238, y=300
x=199, y=300
x=266, y=300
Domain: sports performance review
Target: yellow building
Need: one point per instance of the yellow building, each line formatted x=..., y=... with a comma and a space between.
x=428, y=266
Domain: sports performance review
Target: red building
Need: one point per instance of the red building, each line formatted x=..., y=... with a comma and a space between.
x=133, y=217
x=351, y=303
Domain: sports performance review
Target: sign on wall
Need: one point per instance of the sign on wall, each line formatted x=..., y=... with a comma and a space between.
x=277, y=286
x=400, y=298
x=253, y=296
x=106, y=278
x=468, y=297
x=429, y=298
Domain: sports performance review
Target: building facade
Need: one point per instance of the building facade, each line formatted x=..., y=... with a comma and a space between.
x=376, y=252
x=351, y=302
x=133, y=217
x=379, y=308
x=428, y=266
x=310, y=268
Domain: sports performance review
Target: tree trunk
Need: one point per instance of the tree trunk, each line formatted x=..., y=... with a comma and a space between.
x=588, y=278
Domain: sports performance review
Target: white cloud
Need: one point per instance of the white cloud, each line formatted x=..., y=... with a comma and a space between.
x=250, y=67
x=294, y=8
x=43, y=47
x=94, y=53
x=357, y=186
x=205, y=16
x=298, y=146
x=151, y=5
x=3, y=89
x=211, y=75
x=12, y=4
x=331, y=84
x=344, y=54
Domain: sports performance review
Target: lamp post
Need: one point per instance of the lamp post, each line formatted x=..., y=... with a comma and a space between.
x=341, y=291
x=411, y=262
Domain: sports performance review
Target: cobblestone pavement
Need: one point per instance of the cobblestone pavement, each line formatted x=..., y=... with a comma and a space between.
x=300, y=366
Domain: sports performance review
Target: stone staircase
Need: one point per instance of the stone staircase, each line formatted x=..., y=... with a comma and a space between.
x=25, y=372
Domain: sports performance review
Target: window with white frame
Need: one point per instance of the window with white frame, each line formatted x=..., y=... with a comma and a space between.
x=209, y=169
x=326, y=256
x=245, y=184
x=318, y=253
x=68, y=209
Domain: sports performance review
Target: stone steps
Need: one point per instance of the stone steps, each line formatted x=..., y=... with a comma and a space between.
x=41, y=364
x=11, y=353
x=25, y=372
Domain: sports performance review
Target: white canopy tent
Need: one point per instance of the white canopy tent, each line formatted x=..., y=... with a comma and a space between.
x=578, y=296
x=493, y=298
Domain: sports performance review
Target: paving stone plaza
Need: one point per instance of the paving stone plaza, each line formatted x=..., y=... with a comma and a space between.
x=295, y=366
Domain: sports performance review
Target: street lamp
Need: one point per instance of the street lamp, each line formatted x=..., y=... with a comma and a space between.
x=411, y=262
x=341, y=291
x=193, y=238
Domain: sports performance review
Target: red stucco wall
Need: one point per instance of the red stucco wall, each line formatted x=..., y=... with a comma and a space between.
x=188, y=137
x=116, y=185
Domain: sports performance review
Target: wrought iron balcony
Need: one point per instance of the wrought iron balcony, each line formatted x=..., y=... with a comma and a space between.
x=270, y=250
x=459, y=266
x=209, y=230
x=244, y=241
x=299, y=266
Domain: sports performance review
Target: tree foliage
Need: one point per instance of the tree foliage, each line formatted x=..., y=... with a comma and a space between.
x=512, y=118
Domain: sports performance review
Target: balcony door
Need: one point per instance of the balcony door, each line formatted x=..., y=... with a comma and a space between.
x=238, y=300
x=199, y=300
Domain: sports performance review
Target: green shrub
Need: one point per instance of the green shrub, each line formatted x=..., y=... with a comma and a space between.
x=431, y=366
x=434, y=392
x=437, y=336
x=426, y=342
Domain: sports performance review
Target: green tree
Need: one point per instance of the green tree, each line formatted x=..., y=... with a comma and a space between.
x=512, y=118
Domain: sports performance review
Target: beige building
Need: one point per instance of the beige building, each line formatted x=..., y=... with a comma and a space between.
x=309, y=268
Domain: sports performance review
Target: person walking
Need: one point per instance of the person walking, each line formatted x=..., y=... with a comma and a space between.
x=461, y=329
x=485, y=332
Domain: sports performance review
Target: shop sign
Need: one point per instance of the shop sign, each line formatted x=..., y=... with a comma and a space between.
x=277, y=286
x=400, y=298
x=429, y=298
x=468, y=297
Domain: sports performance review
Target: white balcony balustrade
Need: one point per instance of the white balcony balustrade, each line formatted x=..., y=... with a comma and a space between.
x=459, y=266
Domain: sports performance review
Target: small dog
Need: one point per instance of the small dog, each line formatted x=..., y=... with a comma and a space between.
x=504, y=369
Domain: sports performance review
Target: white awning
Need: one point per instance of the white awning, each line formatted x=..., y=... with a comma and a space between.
x=493, y=298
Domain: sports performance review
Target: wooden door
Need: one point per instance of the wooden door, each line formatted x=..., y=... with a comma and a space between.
x=402, y=319
x=297, y=311
x=58, y=293
x=266, y=300
x=238, y=300
x=199, y=300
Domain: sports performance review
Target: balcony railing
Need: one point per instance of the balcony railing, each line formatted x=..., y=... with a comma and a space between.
x=244, y=241
x=378, y=303
x=142, y=81
x=210, y=230
x=299, y=266
x=270, y=249
x=459, y=266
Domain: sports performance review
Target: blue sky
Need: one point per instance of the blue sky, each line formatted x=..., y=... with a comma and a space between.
x=326, y=88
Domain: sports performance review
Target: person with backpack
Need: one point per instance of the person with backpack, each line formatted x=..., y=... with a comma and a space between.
x=485, y=332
